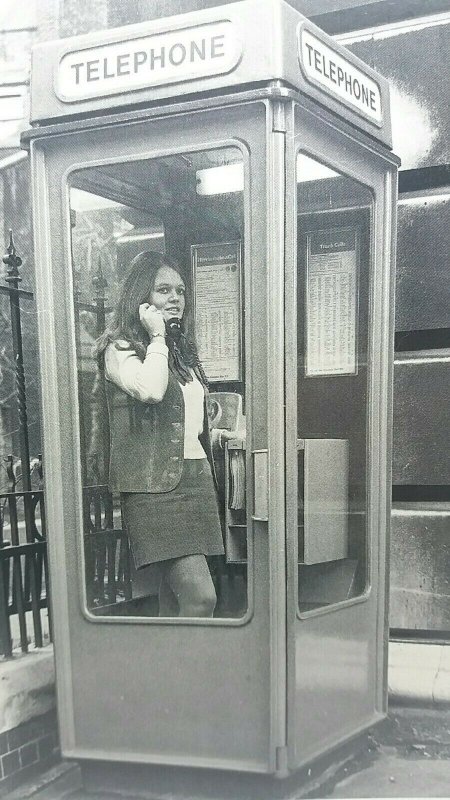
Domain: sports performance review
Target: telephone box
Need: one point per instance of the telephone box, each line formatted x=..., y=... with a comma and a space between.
x=248, y=145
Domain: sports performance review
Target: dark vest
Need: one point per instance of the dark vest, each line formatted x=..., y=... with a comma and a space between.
x=147, y=440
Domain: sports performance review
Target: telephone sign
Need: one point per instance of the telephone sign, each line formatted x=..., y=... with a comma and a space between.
x=336, y=75
x=161, y=58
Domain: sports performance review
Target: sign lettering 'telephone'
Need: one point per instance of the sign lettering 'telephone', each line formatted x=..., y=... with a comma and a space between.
x=338, y=76
x=148, y=61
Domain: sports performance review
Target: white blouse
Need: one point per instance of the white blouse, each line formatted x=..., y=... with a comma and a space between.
x=147, y=381
x=194, y=397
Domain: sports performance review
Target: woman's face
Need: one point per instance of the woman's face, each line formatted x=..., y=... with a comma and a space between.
x=169, y=293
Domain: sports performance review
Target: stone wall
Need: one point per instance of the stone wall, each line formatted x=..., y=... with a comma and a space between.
x=28, y=726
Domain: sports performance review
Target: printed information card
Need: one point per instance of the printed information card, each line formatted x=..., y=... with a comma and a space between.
x=332, y=302
x=216, y=270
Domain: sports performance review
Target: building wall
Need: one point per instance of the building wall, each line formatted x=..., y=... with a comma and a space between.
x=82, y=16
x=412, y=56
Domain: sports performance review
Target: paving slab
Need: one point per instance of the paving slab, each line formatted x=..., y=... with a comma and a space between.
x=394, y=776
x=408, y=755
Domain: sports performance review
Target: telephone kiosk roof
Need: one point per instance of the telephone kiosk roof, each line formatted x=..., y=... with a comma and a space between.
x=231, y=47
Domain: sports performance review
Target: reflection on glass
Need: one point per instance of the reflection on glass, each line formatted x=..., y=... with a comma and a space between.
x=164, y=495
x=334, y=259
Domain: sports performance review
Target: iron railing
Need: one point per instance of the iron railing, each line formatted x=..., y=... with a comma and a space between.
x=23, y=557
x=106, y=551
x=24, y=584
x=106, y=546
x=23, y=565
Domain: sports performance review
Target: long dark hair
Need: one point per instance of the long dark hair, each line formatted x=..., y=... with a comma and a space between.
x=125, y=330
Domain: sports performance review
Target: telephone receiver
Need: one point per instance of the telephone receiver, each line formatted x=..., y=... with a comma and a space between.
x=214, y=412
x=174, y=328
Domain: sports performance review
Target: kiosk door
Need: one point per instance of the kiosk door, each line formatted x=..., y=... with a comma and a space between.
x=338, y=406
x=139, y=679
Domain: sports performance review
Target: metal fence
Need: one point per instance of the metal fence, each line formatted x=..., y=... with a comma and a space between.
x=24, y=586
x=106, y=546
x=23, y=556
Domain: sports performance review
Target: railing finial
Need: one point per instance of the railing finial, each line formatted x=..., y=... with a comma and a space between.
x=12, y=260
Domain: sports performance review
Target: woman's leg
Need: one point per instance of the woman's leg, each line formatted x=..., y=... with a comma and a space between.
x=168, y=606
x=190, y=580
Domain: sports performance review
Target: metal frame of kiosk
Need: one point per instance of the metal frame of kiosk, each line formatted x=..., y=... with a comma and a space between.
x=135, y=117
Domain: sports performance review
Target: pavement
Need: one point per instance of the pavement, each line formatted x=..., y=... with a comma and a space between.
x=408, y=755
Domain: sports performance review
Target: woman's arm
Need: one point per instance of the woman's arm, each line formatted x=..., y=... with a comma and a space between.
x=144, y=380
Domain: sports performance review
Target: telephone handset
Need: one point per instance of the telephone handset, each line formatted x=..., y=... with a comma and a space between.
x=173, y=328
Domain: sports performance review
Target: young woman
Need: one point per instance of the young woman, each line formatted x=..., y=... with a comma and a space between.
x=161, y=460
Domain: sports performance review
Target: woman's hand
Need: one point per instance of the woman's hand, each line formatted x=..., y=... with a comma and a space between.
x=221, y=435
x=152, y=320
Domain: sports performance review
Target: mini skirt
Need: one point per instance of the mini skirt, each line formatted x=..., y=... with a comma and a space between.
x=182, y=522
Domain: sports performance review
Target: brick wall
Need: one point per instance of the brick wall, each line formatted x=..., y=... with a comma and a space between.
x=27, y=750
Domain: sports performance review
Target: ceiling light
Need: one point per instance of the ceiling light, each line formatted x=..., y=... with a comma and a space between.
x=220, y=180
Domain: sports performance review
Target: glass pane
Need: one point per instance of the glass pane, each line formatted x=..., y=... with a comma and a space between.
x=158, y=286
x=334, y=262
